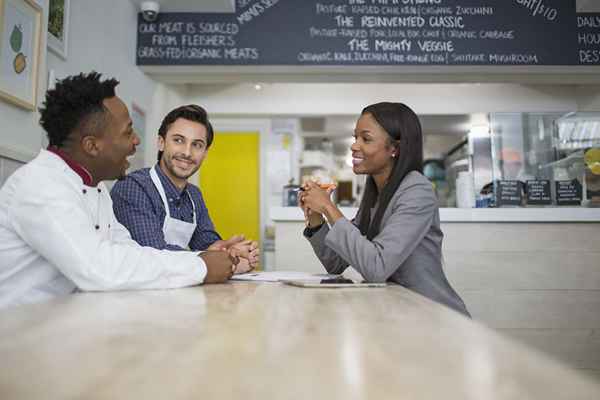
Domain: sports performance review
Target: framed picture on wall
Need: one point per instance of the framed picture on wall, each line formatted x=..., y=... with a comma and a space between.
x=58, y=27
x=20, y=38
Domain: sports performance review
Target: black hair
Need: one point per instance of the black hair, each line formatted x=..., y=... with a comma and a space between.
x=75, y=104
x=403, y=126
x=190, y=112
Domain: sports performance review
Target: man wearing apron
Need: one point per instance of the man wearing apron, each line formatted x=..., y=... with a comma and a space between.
x=161, y=209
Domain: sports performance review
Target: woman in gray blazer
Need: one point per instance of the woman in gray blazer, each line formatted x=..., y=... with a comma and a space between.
x=396, y=234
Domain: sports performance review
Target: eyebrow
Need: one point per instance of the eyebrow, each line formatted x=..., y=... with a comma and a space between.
x=183, y=137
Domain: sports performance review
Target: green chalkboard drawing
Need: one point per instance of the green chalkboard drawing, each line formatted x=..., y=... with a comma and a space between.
x=56, y=23
x=16, y=38
x=20, y=63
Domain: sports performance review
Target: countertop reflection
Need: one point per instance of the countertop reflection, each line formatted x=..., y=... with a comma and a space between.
x=267, y=340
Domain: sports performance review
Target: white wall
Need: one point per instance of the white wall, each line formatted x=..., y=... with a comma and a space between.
x=349, y=99
x=20, y=133
x=164, y=99
x=102, y=37
x=588, y=98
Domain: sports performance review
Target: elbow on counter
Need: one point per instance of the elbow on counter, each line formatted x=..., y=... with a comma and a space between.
x=374, y=272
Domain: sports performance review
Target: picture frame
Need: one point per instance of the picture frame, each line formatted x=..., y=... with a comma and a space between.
x=58, y=27
x=20, y=41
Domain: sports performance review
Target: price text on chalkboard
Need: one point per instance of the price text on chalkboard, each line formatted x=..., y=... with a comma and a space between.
x=509, y=193
x=568, y=193
x=375, y=32
x=538, y=192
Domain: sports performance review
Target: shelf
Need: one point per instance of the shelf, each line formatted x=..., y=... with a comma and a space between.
x=484, y=215
x=567, y=160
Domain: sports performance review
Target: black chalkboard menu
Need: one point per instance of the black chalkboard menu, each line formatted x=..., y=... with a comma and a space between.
x=588, y=38
x=538, y=192
x=375, y=32
x=568, y=193
x=509, y=193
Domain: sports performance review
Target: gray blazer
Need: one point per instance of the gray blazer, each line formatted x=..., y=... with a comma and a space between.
x=407, y=250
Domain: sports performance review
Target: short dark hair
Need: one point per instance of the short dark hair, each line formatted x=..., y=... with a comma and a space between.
x=191, y=112
x=403, y=126
x=76, y=104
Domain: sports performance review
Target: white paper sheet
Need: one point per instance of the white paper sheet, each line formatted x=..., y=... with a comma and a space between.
x=276, y=276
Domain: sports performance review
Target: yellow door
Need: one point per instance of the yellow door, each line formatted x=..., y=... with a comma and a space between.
x=229, y=179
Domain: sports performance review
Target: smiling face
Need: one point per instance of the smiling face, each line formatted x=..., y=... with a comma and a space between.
x=184, y=148
x=117, y=142
x=372, y=150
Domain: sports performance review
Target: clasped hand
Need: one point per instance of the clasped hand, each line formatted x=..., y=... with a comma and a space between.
x=245, y=253
x=314, y=202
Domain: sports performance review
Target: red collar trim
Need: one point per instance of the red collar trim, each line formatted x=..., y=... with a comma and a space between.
x=86, y=177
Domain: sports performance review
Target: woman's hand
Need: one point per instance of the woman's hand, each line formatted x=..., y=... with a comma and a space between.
x=311, y=217
x=316, y=200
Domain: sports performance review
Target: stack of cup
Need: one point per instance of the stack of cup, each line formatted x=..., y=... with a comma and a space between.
x=465, y=192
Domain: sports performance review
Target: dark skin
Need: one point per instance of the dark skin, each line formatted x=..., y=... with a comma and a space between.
x=222, y=266
x=373, y=153
x=104, y=156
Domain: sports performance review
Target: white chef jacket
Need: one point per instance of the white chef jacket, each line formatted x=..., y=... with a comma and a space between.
x=57, y=235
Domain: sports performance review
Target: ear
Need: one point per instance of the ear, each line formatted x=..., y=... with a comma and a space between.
x=91, y=145
x=160, y=142
x=392, y=148
x=396, y=146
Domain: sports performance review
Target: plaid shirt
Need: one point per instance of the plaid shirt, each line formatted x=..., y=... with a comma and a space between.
x=139, y=207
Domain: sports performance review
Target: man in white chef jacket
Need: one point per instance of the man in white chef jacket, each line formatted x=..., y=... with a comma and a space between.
x=58, y=232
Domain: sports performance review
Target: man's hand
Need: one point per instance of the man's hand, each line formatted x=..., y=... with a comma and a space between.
x=219, y=266
x=243, y=266
x=247, y=250
x=240, y=249
x=226, y=244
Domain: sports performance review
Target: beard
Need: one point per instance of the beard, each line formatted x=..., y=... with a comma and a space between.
x=175, y=172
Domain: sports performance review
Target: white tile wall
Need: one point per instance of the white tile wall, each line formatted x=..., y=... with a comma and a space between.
x=521, y=270
x=574, y=346
x=538, y=283
x=292, y=250
x=535, y=309
x=526, y=237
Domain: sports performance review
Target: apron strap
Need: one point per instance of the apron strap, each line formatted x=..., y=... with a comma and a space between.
x=163, y=195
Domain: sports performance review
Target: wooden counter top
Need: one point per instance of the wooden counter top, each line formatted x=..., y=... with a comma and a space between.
x=267, y=341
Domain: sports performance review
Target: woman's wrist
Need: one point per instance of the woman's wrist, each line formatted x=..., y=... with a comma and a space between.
x=315, y=220
x=332, y=213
